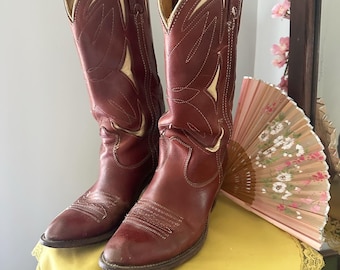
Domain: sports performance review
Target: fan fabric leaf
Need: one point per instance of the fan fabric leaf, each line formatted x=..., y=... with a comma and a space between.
x=276, y=165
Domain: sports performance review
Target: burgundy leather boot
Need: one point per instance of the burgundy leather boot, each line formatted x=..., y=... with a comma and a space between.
x=114, y=41
x=168, y=225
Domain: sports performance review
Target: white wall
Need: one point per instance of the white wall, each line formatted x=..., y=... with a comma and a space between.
x=246, y=48
x=48, y=140
x=329, y=65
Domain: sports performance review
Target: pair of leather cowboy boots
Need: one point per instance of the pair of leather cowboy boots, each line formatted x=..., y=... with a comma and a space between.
x=159, y=175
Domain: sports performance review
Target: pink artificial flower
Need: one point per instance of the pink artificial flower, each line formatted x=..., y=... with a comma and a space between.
x=284, y=83
x=281, y=10
x=281, y=51
x=280, y=60
x=282, y=47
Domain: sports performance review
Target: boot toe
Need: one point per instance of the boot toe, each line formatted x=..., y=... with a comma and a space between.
x=65, y=228
x=72, y=229
x=131, y=247
x=119, y=252
x=127, y=248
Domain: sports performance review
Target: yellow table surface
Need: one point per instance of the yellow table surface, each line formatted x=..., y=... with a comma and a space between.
x=237, y=239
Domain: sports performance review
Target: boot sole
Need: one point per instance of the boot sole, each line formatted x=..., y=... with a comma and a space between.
x=76, y=243
x=165, y=265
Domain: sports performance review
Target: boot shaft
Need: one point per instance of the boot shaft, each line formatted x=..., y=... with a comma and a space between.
x=200, y=53
x=114, y=41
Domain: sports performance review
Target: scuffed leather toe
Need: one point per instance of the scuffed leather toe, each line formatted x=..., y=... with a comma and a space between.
x=127, y=248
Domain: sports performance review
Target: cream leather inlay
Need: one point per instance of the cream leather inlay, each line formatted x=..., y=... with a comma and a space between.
x=70, y=8
x=167, y=13
x=126, y=68
x=217, y=146
x=139, y=133
x=212, y=89
x=122, y=4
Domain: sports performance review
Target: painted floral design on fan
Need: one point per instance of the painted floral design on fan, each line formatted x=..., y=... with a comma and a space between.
x=285, y=183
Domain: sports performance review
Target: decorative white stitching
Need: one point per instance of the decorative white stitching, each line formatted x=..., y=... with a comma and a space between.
x=153, y=217
x=95, y=205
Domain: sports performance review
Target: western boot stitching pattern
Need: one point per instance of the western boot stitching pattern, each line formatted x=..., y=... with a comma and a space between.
x=153, y=217
x=193, y=132
x=128, y=117
x=111, y=142
x=96, y=205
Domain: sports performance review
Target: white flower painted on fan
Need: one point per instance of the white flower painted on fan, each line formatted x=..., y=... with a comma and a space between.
x=276, y=128
x=264, y=136
x=287, y=122
x=258, y=159
x=264, y=191
x=284, y=177
x=270, y=151
x=279, y=187
x=257, y=162
x=297, y=189
x=298, y=215
x=297, y=167
x=285, y=154
x=287, y=194
x=288, y=143
x=278, y=141
x=299, y=150
x=260, y=165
